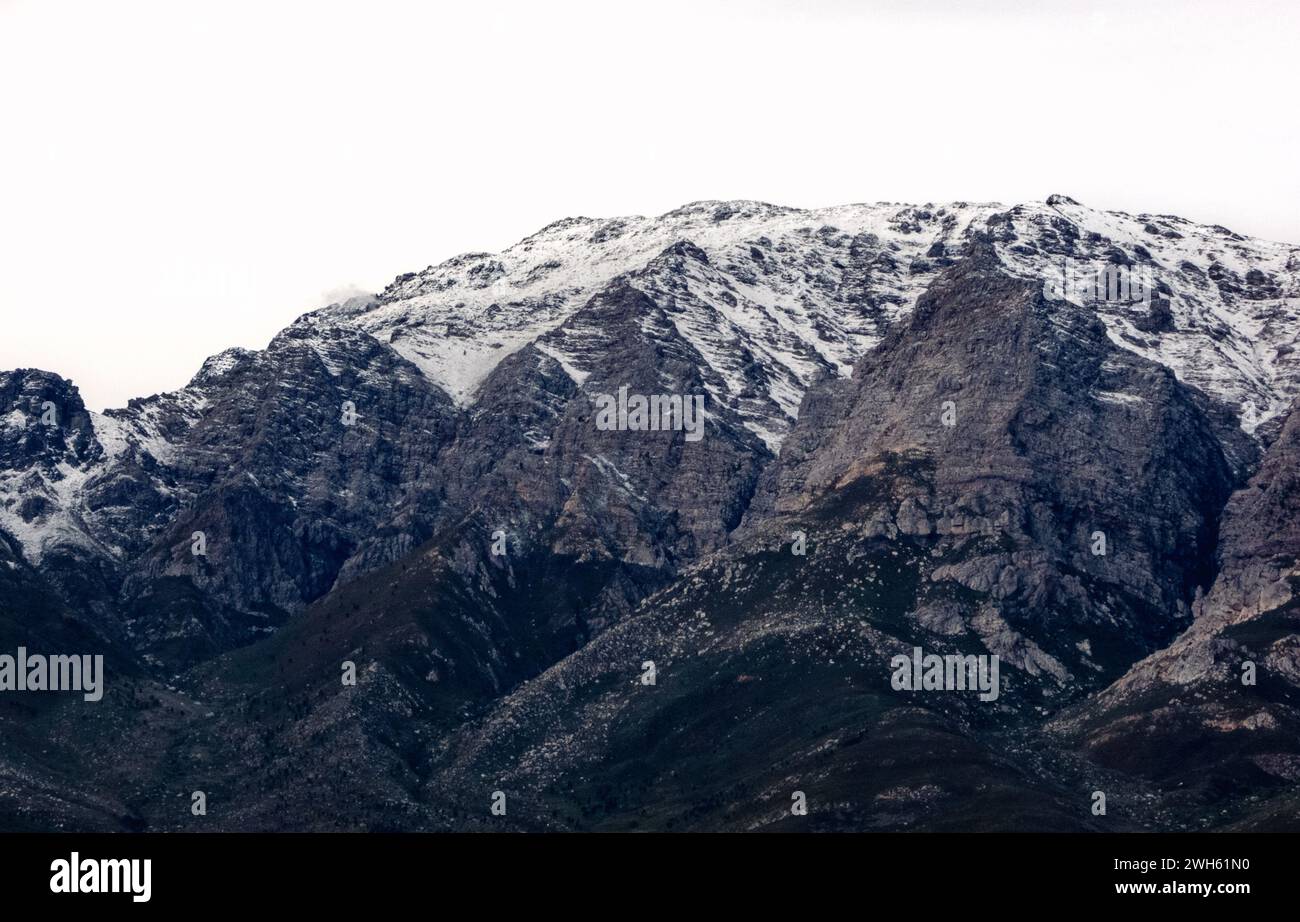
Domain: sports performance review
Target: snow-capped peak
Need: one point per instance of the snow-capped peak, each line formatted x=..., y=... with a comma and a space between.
x=1224, y=311
x=457, y=320
x=810, y=289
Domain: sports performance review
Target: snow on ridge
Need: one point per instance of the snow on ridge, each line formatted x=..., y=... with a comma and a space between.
x=577, y=375
x=800, y=292
x=55, y=485
x=1233, y=324
x=1231, y=335
x=457, y=320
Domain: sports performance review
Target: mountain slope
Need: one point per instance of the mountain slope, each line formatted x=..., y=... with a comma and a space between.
x=972, y=539
x=416, y=483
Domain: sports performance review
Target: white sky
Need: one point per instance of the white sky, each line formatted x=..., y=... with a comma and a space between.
x=177, y=178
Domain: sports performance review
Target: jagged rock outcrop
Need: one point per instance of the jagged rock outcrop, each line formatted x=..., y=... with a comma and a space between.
x=1060, y=478
x=51, y=458
x=299, y=451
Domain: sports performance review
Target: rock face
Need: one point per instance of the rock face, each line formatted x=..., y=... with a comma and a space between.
x=1063, y=476
x=973, y=453
x=49, y=456
x=1260, y=538
x=974, y=537
x=1216, y=710
x=256, y=456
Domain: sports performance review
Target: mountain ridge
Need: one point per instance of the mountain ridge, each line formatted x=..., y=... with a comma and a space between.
x=414, y=481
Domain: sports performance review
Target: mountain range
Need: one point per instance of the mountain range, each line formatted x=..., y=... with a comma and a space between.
x=914, y=437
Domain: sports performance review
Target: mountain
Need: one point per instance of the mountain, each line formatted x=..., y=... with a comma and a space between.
x=419, y=483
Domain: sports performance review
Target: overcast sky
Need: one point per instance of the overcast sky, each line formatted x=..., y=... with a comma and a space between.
x=177, y=178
